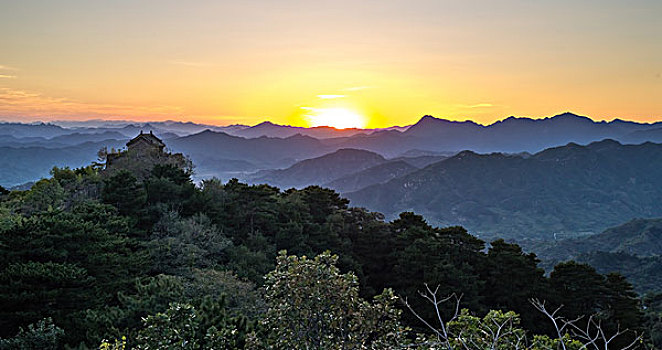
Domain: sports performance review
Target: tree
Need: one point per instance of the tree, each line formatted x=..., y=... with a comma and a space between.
x=497, y=330
x=57, y=264
x=31, y=291
x=624, y=309
x=147, y=297
x=511, y=279
x=312, y=305
x=45, y=195
x=123, y=191
x=43, y=335
x=653, y=319
x=590, y=332
x=180, y=244
x=579, y=288
x=182, y=326
x=448, y=257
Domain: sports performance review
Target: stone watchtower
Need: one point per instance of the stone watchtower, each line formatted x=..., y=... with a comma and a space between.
x=145, y=143
x=142, y=154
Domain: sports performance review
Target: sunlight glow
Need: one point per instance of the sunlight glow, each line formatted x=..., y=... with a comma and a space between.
x=339, y=118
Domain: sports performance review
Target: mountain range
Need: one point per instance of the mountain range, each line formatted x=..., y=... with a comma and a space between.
x=568, y=191
x=241, y=151
x=559, y=185
x=344, y=170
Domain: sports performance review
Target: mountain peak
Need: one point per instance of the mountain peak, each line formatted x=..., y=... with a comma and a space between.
x=604, y=144
x=264, y=124
x=429, y=126
x=355, y=152
x=566, y=114
x=571, y=116
x=428, y=119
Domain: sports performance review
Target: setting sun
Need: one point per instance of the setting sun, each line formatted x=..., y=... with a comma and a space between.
x=339, y=118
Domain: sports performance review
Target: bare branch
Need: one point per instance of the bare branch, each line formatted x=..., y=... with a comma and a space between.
x=592, y=336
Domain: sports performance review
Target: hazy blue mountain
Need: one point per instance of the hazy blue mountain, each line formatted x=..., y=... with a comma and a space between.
x=640, y=237
x=24, y=164
x=633, y=249
x=524, y=134
x=20, y=130
x=421, y=161
x=11, y=141
x=640, y=136
x=375, y=175
x=78, y=138
x=228, y=154
x=169, y=126
x=389, y=143
x=320, y=170
x=61, y=140
x=569, y=190
x=446, y=131
x=270, y=129
x=511, y=135
x=419, y=152
x=211, y=150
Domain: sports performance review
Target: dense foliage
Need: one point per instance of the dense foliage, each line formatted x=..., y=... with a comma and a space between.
x=162, y=260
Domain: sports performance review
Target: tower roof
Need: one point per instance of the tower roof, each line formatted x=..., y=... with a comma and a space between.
x=150, y=138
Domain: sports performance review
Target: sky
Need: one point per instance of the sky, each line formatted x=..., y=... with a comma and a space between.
x=308, y=62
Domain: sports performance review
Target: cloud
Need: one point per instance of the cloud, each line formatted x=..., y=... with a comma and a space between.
x=3, y=67
x=328, y=97
x=4, y=76
x=190, y=63
x=30, y=104
x=357, y=88
x=478, y=105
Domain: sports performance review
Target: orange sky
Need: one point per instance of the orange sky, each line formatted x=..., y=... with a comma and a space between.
x=226, y=62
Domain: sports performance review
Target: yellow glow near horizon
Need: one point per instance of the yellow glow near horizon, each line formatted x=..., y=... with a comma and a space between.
x=339, y=118
x=389, y=62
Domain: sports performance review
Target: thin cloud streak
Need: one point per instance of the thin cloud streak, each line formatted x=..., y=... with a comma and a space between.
x=478, y=105
x=4, y=76
x=29, y=104
x=357, y=88
x=190, y=63
x=328, y=97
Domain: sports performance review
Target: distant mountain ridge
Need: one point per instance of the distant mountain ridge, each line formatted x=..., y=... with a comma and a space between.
x=520, y=134
x=512, y=132
x=240, y=150
x=320, y=170
x=640, y=237
x=270, y=129
x=19, y=165
x=568, y=189
x=374, y=175
x=633, y=249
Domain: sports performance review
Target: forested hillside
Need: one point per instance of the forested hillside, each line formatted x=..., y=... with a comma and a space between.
x=85, y=256
x=557, y=193
x=634, y=249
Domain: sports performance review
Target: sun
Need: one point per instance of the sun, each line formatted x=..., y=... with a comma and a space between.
x=339, y=118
